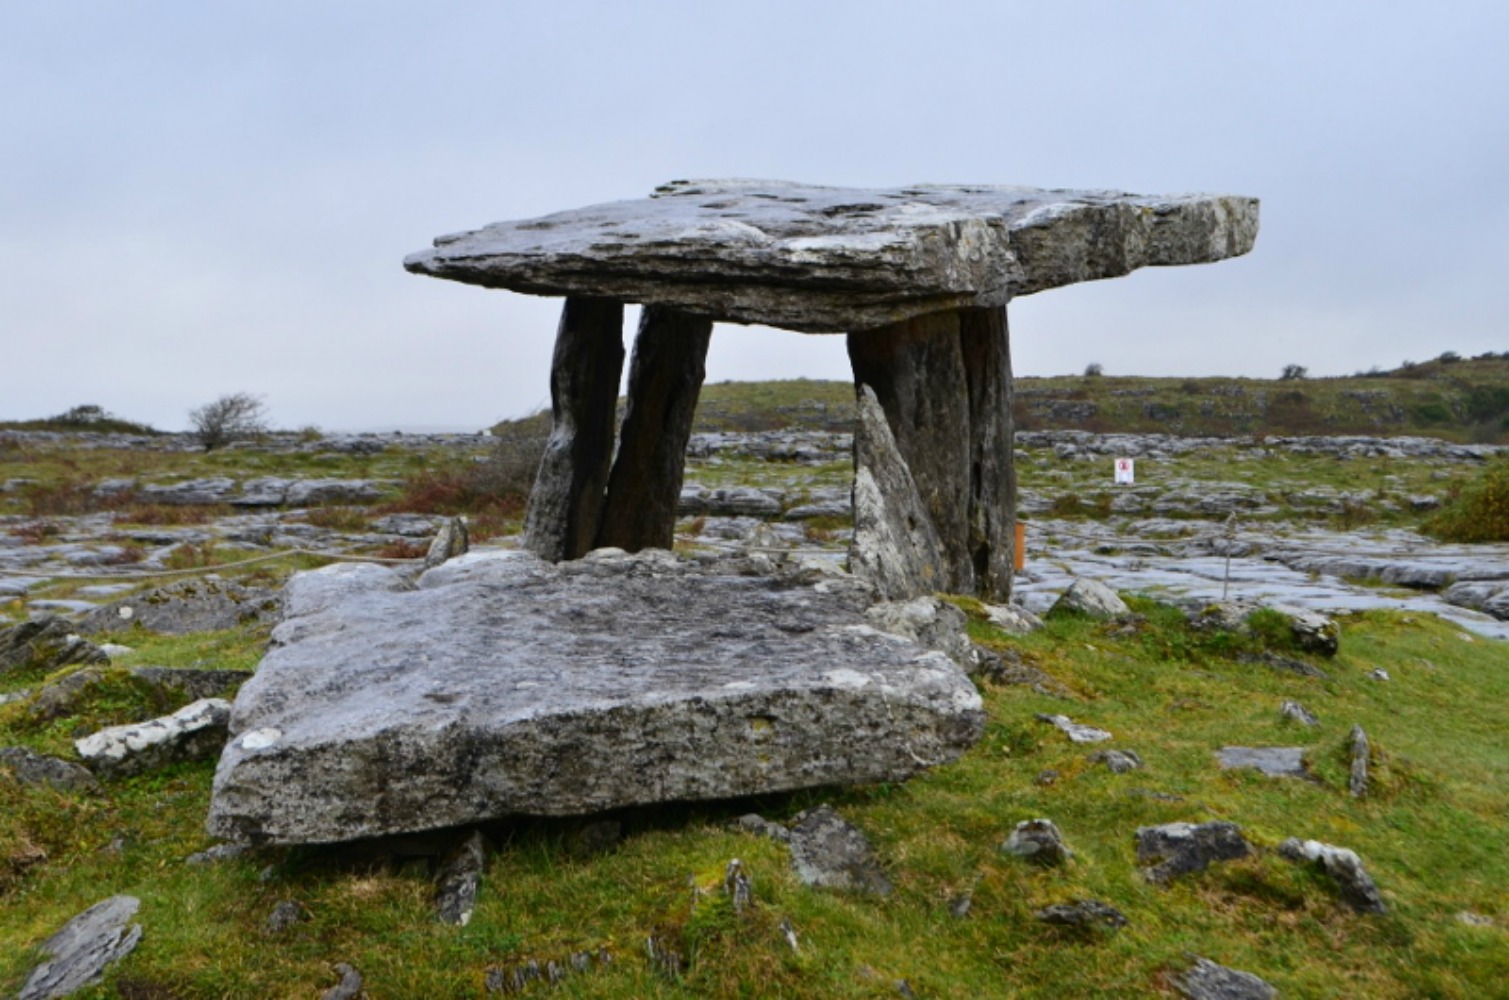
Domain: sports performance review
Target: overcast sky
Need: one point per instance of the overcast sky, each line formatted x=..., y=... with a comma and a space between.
x=202, y=198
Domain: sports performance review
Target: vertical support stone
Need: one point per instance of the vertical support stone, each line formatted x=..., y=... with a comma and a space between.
x=665, y=376
x=984, y=340
x=916, y=368
x=565, y=507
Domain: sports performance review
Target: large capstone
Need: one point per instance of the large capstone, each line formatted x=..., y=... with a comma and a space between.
x=833, y=260
x=505, y=685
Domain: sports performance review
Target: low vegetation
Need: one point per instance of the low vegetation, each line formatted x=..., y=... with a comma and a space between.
x=1477, y=511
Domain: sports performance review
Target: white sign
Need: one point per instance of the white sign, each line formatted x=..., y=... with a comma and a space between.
x=1124, y=476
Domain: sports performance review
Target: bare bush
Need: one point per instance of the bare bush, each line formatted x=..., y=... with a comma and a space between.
x=1094, y=370
x=230, y=418
x=1293, y=372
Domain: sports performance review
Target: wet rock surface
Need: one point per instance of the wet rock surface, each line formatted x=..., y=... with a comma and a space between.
x=506, y=685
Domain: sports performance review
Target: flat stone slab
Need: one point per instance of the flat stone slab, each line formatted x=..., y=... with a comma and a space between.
x=505, y=685
x=826, y=259
x=1276, y=762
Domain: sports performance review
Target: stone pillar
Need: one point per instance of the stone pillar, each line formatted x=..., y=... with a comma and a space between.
x=565, y=507
x=985, y=343
x=665, y=376
x=943, y=381
x=916, y=369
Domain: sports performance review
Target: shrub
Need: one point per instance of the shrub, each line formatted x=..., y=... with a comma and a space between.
x=230, y=418
x=1293, y=372
x=1479, y=512
x=1094, y=370
x=492, y=488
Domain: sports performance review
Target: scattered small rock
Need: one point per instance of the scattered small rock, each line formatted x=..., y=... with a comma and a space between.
x=1012, y=618
x=1285, y=663
x=1119, y=761
x=350, y=986
x=194, y=732
x=1185, y=848
x=1038, y=841
x=1276, y=762
x=38, y=769
x=789, y=934
x=1083, y=913
x=219, y=852
x=1092, y=598
x=1357, y=784
x=457, y=880
x=283, y=916
x=759, y=825
x=1344, y=867
x=1299, y=713
x=1472, y=919
x=1046, y=777
x=79, y=953
x=960, y=905
x=1076, y=732
x=1379, y=674
x=738, y=887
x=1208, y=981
x=665, y=957
x=829, y=853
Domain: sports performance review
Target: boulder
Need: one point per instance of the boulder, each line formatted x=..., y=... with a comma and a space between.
x=830, y=853
x=1208, y=981
x=505, y=684
x=39, y=769
x=196, y=731
x=1343, y=866
x=79, y=953
x=1185, y=848
x=1092, y=598
x=1038, y=841
x=44, y=644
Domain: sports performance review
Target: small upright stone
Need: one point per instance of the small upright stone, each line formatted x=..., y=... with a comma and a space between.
x=1358, y=782
x=458, y=879
x=1038, y=841
x=450, y=541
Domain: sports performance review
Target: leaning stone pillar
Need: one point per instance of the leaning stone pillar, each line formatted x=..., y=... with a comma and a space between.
x=665, y=377
x=917, y=370
x=986, y=349
x=565, y=508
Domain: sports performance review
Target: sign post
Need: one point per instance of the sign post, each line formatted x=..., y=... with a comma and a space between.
x=1124, y=472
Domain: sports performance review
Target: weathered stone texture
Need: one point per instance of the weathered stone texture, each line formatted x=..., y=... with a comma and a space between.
x=822, y=259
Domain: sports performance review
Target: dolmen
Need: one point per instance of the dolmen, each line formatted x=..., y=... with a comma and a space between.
x=917, y=278
x=595, y=669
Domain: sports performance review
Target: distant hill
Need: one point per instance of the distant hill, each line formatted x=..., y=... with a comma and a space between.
x=1458, y=399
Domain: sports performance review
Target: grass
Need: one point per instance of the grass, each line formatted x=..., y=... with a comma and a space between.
x=1429, y=834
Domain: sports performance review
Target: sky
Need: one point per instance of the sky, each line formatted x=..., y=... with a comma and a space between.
x=198, y=199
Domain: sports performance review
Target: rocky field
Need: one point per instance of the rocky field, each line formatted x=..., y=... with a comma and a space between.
x=1279, y=751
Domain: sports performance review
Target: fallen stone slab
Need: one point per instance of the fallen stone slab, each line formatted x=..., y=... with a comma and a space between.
x=39, y=769
x=194, y=732
x=1206, y=980
x=828, y=852
x=1083, y=913
x=1185, y=848
x=79, y=953
x=505, y=684
x=1343, y=866
x=1276, y=762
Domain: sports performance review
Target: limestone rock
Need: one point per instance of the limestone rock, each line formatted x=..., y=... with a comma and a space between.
x=1184, y=848
x=38, y=769
x=1093, y=598
x=203, y=605
x=506, y=684
x=450, y=541
x=1038, y=841
x=59, y=698
x=895, y=545
x=458, y=879
x=1297, y=712
x=214, y=490
x=1313, y=631
x=1344, y=867
x=1357, y=782
x=349, y=987
x=828, y=852
x=1083, y=913
x=44, y=644
x=1012, y=618
x=1076, y=732
x=1208, y=981
x=79, y=953
x=196, y=731
x=283, y=916
x=1276, y=762
x=824, y=259
x=928, y=622
x=1118, y=761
